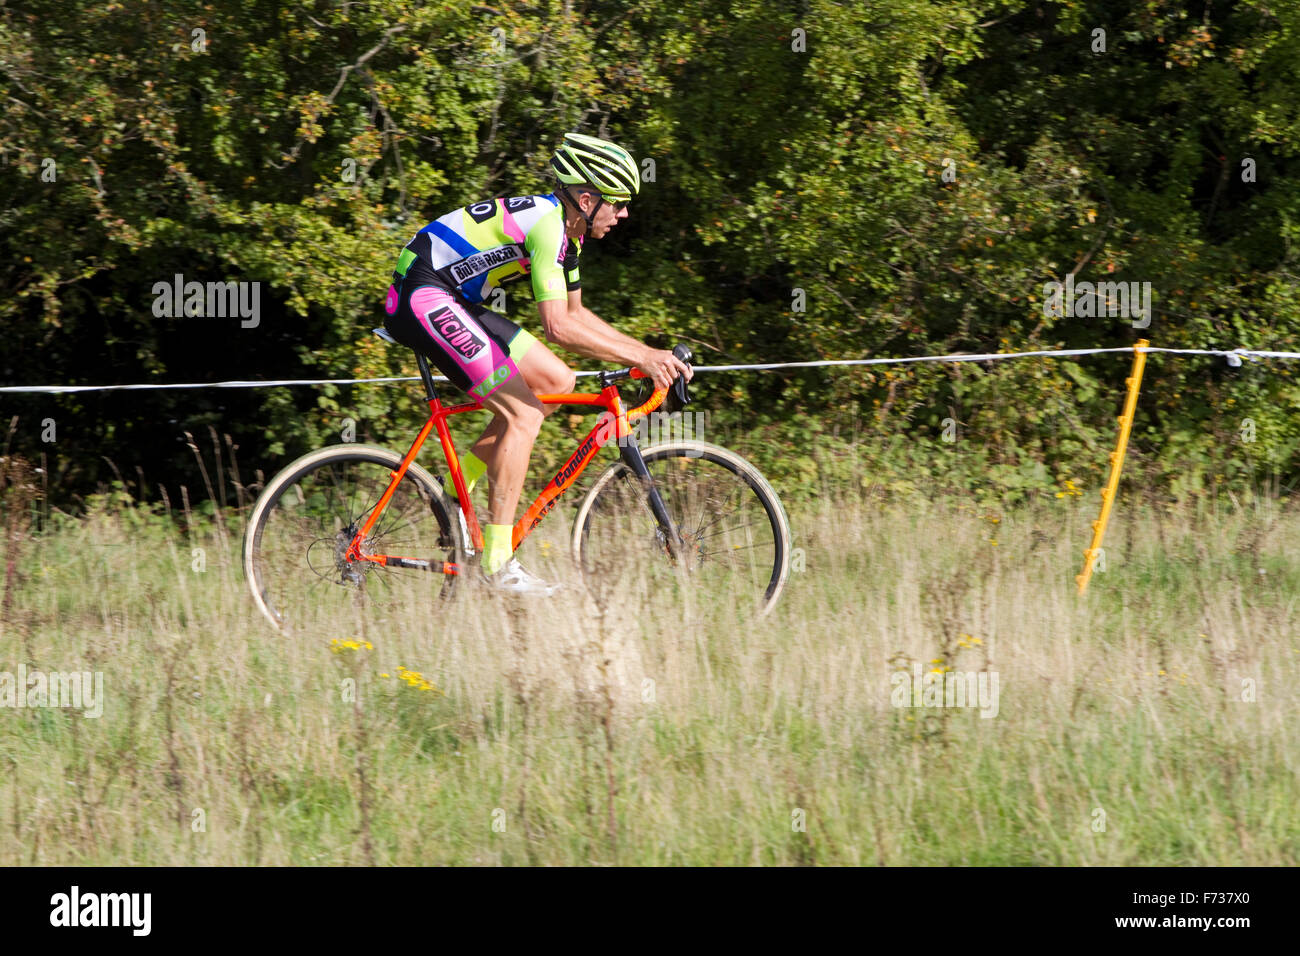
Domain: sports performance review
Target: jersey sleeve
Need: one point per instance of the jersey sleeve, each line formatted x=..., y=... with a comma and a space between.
x=545, y=244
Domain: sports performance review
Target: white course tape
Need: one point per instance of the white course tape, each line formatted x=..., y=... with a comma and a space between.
x=129, y=388
x=827, y=363
x=1233, y=357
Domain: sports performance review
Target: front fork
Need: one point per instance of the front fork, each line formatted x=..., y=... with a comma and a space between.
x=630, y=452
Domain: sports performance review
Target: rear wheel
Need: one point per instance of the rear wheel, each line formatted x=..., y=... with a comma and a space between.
x=295, y=548
x=735, y=536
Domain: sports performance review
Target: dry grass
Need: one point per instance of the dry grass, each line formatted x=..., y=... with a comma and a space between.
x=561, y=733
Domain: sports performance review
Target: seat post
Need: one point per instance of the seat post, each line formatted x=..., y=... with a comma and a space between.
x=430, y=394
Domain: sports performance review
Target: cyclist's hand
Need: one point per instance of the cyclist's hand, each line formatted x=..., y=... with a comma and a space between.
x=663, y=367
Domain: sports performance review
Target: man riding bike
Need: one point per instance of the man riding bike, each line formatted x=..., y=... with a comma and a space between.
x=435, y=307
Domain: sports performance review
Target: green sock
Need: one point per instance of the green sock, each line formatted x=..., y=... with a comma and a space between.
x=472, y=467
x=497, y=547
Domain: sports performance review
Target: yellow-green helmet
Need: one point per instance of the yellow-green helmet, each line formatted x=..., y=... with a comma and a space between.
x=587, y=160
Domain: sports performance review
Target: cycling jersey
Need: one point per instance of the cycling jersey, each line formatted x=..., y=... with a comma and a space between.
x=443, y=275
x=484, y=246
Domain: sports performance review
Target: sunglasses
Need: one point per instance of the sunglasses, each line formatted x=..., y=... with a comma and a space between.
x=618, y=204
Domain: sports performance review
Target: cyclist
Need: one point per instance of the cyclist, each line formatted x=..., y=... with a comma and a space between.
x=435, y=306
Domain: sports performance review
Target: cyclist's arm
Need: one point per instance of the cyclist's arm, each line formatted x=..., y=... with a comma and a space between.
x=569, y=330
x=555, y=291
x=594, y=338
x=583, y=314
x=572, y=326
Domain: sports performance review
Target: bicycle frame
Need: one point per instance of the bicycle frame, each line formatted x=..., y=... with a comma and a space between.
x=614, y=423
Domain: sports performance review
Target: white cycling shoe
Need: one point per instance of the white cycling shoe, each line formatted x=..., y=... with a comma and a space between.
x=513, y=579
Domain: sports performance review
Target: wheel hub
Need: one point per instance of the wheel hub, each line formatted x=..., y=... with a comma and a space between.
x=324, y=551
x=689, y=555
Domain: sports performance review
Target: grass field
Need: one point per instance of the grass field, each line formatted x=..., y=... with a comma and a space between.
x=1152, y=722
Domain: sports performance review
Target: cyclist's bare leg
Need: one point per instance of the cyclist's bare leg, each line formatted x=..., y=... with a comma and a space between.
x=546, y=374
x=520, y=415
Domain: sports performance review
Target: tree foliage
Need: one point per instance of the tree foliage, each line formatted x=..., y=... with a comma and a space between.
x=829, y=180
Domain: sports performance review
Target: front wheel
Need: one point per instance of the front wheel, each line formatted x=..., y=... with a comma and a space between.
x=734, y=536
x=295, y=548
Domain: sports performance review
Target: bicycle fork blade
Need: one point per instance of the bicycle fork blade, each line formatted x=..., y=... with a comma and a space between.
x=631, y=455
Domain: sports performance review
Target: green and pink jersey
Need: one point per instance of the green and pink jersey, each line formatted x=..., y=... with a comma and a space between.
x=481, y=247
x=435, y=304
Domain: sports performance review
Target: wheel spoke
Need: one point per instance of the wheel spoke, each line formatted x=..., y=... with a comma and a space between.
x=734, y=530
x=717, y=516
x=701, y=537
x=296, y=564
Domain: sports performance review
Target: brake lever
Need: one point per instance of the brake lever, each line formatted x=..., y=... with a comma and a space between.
x=679, y=393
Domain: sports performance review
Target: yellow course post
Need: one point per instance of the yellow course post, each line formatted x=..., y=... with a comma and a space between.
x=1134, y=383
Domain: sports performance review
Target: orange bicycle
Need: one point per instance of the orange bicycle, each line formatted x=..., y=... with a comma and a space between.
x=357, y=522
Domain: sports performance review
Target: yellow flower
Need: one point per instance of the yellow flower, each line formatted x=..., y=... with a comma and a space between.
x=339, y=646
x=416, y=679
